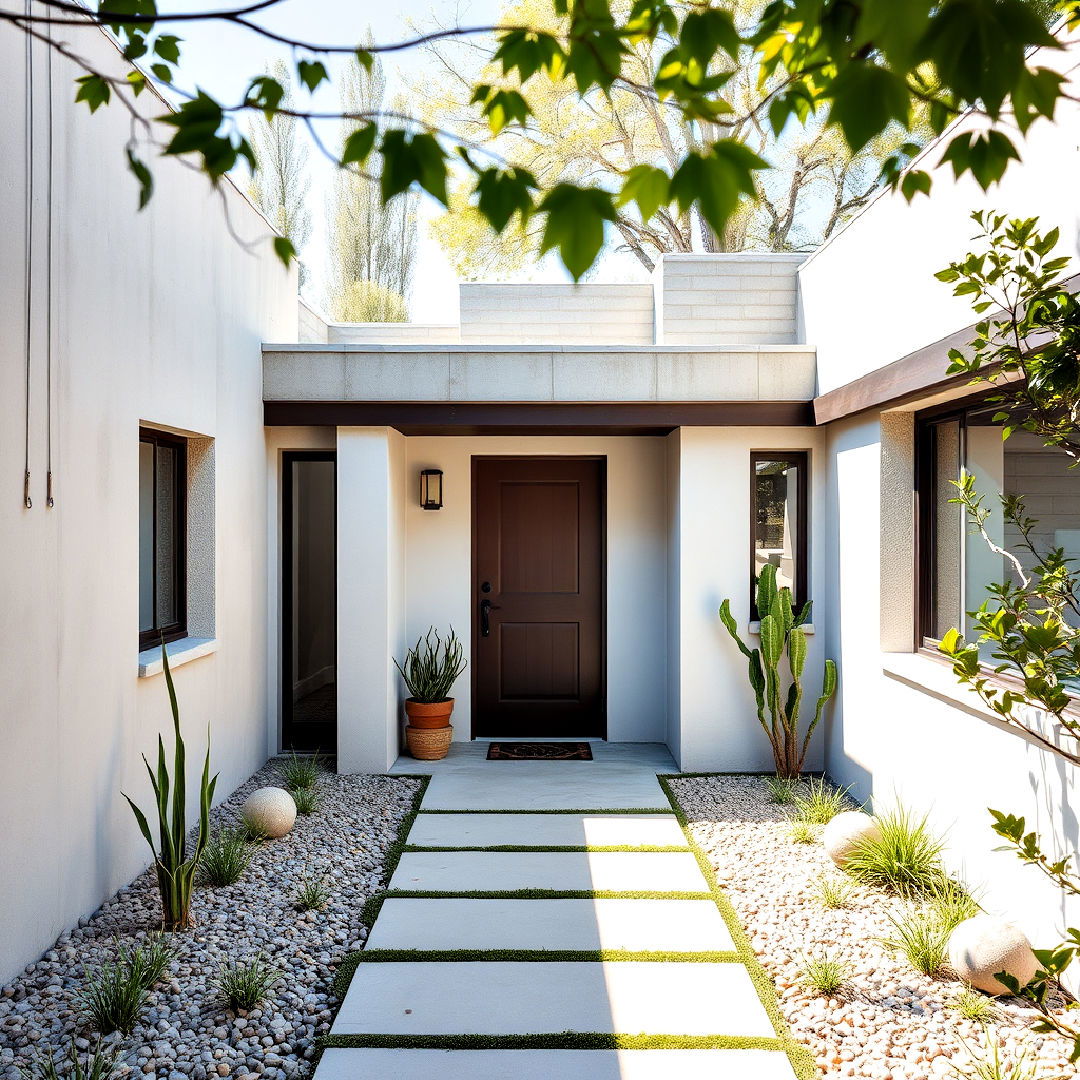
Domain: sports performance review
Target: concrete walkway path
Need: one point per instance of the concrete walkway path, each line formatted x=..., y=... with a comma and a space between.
x=577, y=937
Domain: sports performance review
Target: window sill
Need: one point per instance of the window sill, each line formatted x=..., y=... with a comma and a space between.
x=754, y=627
x=180, y=652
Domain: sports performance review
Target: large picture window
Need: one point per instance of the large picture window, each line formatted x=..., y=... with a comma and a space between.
x=778, y=521
x=162, y=536
x=955, y=562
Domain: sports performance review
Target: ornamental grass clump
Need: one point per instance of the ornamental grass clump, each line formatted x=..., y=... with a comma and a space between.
x=922, y=932
x=300, y=773
x=114, y=994
x=313, y=893
x=778, y=694
x=816, y=801
x=781, y=790
x=432, y=667
x=243, y=986
x=100, y=1064
x=903, y=858
x=832, y=892
x=174, y=864
x=226, y=857
x=306, y=799
x=823, y=974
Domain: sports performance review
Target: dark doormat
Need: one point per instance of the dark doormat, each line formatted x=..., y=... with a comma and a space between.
x=539, y=751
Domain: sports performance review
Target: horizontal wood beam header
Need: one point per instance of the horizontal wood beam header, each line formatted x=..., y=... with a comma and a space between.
x=530, y=418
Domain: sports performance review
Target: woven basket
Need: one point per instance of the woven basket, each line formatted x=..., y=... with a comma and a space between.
x=428, y=744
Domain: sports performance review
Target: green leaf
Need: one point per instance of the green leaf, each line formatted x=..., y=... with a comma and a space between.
x=167, y=46
x=265, y=93
x=312, y=73
x=284, y=249
x=914, y=183
x=528, y=51
x=985, y=156
x=142, y=174
x=705, y=31
x=94, y=90
x=716, y=181
x=501, y=107
x=575, y=224
x=412, y=158
x=503, y=193
x=866, y=98
x=647, y=186
x=359, y=144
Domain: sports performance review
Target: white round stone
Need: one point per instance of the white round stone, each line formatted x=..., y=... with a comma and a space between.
x=846, y=831
x=981, y=947
x=270, y=811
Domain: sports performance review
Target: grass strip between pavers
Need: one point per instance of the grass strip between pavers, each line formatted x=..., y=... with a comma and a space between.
x=802, y=1061
x=562, y=1040
x=576, y=848
x=628, y=810
x=373, y=905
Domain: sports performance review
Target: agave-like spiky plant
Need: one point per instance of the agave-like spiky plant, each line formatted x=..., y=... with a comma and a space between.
x=781, y=631
x=432, y=666
x=174, y=863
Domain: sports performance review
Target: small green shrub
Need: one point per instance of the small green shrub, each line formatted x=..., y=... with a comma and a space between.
x=799, y=832
x=432, y=666
x=225, y=858
x=823, y=974
x=306, y=799
x=781, y=789
x=817, y=802
x=313, y=893
x=113, y=996
x=831, y=891
x=101, y=1064
x=243, y=986
x=972, y=1005
x=904, y=859
x=300, y=773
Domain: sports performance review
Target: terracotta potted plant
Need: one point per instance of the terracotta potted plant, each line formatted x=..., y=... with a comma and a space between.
x=430, y=670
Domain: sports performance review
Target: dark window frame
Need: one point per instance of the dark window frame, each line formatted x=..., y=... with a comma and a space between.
x=801, y=460
x=149, y=639
x=926, y=423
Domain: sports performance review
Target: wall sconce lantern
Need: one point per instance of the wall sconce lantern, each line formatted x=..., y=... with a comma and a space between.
x=431, y=489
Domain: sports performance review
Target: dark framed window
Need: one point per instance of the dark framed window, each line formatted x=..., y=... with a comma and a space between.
x=954, y=563
x=778, y=520
x=162, y=537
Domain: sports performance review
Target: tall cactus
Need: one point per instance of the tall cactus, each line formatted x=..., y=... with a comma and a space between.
x=781, y=631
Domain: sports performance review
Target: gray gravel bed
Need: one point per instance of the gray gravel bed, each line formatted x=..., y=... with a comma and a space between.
x=185, y=1033
x=889, y=1022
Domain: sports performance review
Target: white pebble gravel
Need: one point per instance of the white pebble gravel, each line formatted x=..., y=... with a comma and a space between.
x=185, y=1033
x=889, y=1022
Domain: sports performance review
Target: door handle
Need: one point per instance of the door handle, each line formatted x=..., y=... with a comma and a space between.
x=486, y=607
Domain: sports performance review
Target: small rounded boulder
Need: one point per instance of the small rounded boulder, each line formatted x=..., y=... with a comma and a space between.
x=981, y=947
x=846, y=831
x=270, y=811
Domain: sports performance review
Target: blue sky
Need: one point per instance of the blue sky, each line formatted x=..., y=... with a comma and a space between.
x=222, y=58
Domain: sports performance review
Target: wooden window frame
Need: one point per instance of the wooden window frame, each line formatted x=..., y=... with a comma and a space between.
x=149, y=639
x=801, y=460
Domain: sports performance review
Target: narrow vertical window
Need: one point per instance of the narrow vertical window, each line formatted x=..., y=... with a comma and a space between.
x=778, y=521
x=162, y=536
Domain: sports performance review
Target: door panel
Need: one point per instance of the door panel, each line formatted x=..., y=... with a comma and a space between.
x=538, y=594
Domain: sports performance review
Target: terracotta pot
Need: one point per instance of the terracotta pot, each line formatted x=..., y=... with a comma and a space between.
x=428, y=744
x=429, y=714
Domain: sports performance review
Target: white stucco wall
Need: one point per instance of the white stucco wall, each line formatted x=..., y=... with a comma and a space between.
x=903, y=735
x=155, y=318
x=718, y=727
x=439, y=571
x=869, y=296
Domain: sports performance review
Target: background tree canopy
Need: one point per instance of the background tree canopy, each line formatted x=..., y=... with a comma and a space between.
x=868, y=71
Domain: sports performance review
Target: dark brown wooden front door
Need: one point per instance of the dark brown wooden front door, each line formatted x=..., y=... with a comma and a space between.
x=538, y=597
